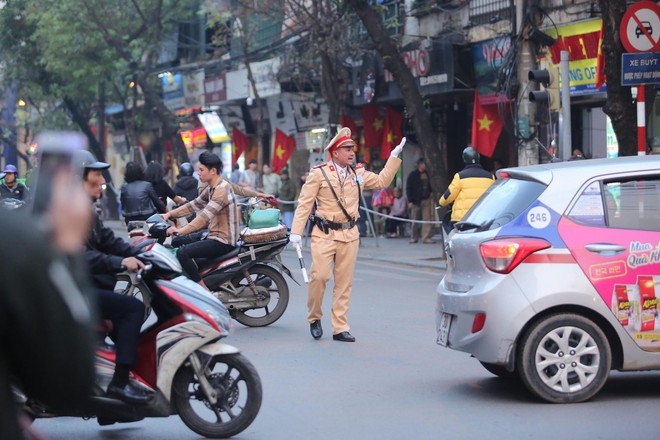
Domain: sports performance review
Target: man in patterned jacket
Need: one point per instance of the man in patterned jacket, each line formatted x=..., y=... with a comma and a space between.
x=216, y=210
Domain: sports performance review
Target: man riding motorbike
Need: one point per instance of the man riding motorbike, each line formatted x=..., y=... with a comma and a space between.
x=108, y=255
x=11, y=187
x=216, y=209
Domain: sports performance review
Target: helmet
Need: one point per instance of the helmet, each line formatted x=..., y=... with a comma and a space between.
x=10, y=169
x=470, y=156
x=186, y=169
x=86, y=160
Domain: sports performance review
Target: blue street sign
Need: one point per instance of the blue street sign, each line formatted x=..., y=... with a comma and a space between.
x=640, y=68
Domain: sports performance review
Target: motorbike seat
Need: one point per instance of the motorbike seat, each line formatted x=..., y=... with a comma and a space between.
x=204, y=262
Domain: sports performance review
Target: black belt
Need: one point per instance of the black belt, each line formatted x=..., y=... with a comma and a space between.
x=325, y=225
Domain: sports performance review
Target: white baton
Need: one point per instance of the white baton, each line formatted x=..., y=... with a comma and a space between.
x=302, y=263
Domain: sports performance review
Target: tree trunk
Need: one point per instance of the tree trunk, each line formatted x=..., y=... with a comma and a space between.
x=619, y=106
x=329, y=89
x=419, y=115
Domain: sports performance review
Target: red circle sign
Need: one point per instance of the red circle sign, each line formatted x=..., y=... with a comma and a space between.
x=640, y=27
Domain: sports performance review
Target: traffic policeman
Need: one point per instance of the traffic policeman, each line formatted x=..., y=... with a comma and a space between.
x=335, y=187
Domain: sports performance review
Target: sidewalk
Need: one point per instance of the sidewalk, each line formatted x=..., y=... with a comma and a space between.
x=388, y=250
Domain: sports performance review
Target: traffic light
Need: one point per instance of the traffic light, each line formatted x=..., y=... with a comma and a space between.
x=549, y=78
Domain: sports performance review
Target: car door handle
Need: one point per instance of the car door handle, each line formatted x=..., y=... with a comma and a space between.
x=605, y=249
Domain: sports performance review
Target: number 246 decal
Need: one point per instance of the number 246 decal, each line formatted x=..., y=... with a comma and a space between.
x=538, y=217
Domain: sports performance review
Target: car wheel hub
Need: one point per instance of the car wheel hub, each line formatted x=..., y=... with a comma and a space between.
x=567, y=359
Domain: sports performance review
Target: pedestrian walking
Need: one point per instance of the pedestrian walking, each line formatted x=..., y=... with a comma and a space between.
x=288, y=196
x=335, y=188
x=400, y=210
x=271, y=181
x=250, y=177
x=466, y=187
x=420, y=202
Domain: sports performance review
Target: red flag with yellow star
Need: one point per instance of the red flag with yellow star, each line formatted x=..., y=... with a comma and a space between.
x=392, y=133
x=240, y=142
x=284, y=146
x=486, y=127
x=374, y=123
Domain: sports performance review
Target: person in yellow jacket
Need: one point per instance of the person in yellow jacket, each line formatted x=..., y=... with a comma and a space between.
x=467, y=186
x=335, y=188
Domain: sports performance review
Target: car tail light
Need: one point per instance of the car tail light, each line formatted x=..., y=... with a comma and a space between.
x=478, y=322
x=504, y=254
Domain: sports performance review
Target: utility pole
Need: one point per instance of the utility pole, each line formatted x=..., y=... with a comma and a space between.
x=528, y=153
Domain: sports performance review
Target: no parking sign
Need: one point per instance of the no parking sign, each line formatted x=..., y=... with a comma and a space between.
x=640, y=27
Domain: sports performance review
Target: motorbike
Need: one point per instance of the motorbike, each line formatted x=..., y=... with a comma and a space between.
x=248, y=280
x=213, y=388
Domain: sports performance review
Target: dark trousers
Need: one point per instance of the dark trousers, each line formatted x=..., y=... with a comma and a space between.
x=126, y=314
x=207, y=248
x=393, y=226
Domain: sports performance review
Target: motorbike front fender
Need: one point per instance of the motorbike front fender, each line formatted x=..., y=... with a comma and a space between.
x=279, y=265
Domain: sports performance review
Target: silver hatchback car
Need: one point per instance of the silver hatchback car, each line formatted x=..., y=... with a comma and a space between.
x=553, y=276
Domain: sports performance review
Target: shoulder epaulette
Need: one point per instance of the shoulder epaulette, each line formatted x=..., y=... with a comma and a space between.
x=321, y=165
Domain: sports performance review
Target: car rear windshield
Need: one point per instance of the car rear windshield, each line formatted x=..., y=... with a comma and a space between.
x=503, y=202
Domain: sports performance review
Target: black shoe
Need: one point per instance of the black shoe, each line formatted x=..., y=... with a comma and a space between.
x=316, y=329
x=344, y=337
x=128, y=394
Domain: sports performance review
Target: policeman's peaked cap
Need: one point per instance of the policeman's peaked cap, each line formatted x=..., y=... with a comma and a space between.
x=341, y=139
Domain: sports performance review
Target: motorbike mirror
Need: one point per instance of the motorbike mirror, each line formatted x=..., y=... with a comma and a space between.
x=156, y=218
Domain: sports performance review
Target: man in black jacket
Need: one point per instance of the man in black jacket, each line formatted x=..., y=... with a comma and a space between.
x=420, y=202
x=108, y=255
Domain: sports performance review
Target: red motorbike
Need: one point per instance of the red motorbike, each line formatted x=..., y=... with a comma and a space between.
x=213, y=388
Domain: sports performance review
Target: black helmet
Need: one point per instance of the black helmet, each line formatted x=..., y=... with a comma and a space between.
x=186, y=169
x=470, y=156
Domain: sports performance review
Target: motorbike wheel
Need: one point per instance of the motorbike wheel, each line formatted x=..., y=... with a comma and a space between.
x=239, y=397
x=279, y=297
x=139, y=291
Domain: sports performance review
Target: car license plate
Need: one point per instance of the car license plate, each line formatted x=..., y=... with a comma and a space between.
x=443, y=331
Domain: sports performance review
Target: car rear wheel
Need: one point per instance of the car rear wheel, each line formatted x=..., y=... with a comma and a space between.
x=564, y=358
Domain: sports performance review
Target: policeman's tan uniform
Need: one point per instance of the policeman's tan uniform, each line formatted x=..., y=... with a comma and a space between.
x=338, y=246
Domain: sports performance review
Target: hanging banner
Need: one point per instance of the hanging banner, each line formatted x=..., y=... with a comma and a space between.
x=488, y=57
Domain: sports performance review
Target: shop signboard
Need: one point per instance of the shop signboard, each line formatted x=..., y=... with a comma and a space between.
x=237, y=84
x=215, y=91
x=309, y=111
x=193, y=89
x=280, y=113
x=581, y=41
x=431, y=64
x=173, y=91
x=488, y=57
x=265, y=78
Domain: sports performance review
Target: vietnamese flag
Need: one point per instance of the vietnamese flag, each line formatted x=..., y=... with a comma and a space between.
x=240, y=143
x=284, y=146
x=374, y=124
x=486, y=127
x=392, y=133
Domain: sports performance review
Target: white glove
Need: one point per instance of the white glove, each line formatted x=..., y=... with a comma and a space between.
x=398, y=149
x=295, y=239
